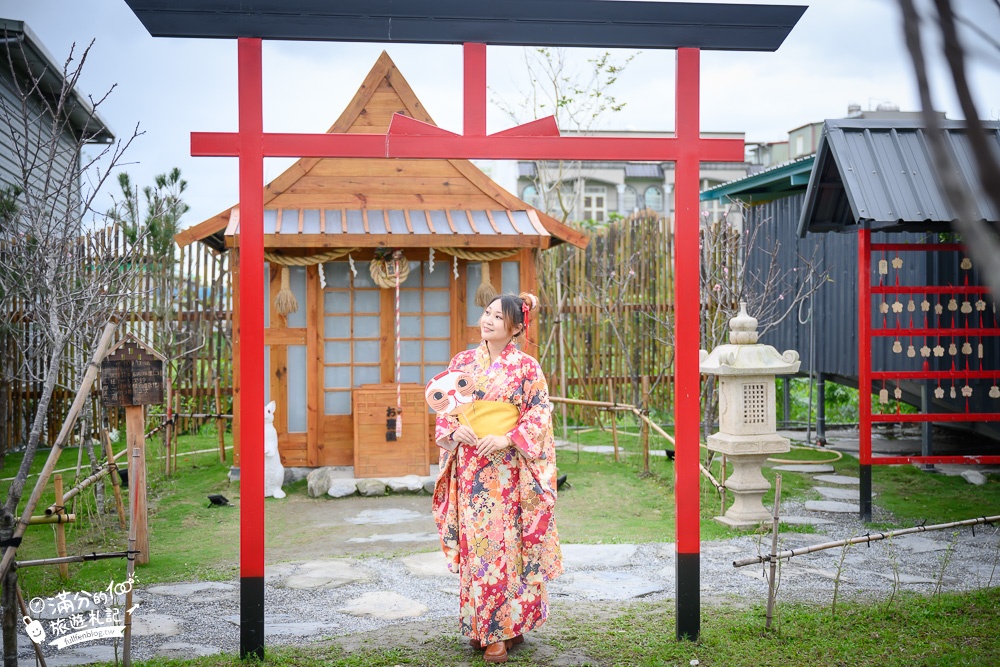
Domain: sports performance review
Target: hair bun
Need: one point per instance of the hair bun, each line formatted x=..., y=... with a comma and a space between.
x=529, y=299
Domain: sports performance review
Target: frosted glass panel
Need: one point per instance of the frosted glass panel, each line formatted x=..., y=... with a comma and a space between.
x=409, y=326
x=338, y=326
x=337, y=302
x=437, y=350
x=337, y=403
x=410, y=350
x=366, y=375
x=511, y=277
x=442, y=271
x=338, y=274
x=436, y=302
x=410, y=374
x=366, y=351
x=337, y=377
x=366, y=327
x=296, y=404
x=267, y=295
x=436, y=326
x=364, y=278
x=267, y=374
x=409, y=301
x=431, y=370
x=297, y=278
x=366, y=302
x=336, y=352
x=473, y=276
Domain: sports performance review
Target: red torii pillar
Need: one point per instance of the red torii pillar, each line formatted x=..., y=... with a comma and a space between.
x=407, y=138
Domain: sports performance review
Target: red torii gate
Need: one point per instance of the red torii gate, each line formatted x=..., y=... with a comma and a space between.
x=538, y=140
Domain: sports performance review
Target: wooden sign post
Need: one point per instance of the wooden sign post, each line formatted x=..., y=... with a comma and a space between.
x=132, y=377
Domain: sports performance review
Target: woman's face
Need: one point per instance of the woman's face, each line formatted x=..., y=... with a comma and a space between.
x=492, y=325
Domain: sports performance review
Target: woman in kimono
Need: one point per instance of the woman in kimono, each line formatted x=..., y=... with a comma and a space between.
x=495, y=494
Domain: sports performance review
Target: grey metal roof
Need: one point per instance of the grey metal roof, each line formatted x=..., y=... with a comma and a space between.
x=881, y=175
x=420, y=228
x=643, y=170
x=31, y=60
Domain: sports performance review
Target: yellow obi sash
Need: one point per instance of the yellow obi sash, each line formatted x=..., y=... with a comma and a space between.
x=490, y=417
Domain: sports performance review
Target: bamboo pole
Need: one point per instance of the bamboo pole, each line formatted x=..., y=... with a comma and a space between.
x=168, y=427
x=173, y=434
x=220, y=424
x=61, y=517
x=57, y=482
x=614, y=421
x=645, y=424
x=562, y=351
x=116, y=482
x=131, y=555
x=24, y=613
x=774, y=550
x=870, y=537
x=50, y=463
x=82, y=558
x=75, y=491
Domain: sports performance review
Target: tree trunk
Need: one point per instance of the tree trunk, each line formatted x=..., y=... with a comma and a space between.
x=8, y=598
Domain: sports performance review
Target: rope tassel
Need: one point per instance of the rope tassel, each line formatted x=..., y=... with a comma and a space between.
x=486, y=292
x=285, y=303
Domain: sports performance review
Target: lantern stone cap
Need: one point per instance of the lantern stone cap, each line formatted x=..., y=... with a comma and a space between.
x=743, y=355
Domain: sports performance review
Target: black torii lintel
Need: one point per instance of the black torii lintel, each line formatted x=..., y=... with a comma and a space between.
x=571, y=23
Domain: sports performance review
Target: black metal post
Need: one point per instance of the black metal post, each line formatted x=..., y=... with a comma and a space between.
x=821, y=409
x=866, y=492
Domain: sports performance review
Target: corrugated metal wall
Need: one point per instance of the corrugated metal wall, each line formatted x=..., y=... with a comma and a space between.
x=835, y=305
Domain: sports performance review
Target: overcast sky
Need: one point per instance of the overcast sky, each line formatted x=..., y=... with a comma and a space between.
x=841, y=52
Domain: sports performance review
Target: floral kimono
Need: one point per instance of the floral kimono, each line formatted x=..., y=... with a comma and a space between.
x=494, y=513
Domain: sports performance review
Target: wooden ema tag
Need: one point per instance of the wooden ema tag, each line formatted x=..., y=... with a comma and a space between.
x=132, y=374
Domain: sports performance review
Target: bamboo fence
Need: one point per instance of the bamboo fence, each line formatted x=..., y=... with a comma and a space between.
x=615, y=303
x=183, y=310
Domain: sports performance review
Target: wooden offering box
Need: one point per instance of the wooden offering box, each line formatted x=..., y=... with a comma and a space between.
x=376, y=454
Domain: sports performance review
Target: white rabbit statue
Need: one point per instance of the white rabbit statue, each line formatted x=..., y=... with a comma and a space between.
x=274, y=472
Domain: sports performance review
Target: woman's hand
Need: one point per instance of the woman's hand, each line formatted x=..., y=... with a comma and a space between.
x=464, y=435
x=492, y=444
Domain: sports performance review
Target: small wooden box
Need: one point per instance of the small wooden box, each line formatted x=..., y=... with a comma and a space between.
x=374, y=456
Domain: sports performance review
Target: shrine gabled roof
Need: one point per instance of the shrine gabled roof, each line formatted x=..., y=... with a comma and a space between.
x=881, y=174
x=370, y=186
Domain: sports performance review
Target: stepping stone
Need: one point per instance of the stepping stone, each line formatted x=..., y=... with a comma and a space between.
x=397, y=537
x=582, y=556
x=298, y=629
x=323, y=575
x=804, y=520
x=84, y=655
x=837, y=479
x=832, y=506
x=429, y=485
x=184, y=650
x=796, y=467
x=832, y=493
x=920, y=545
x=598, y=585
x=385, y=517
x=193, y=589
x=430, y=564
x=906, y=578
x=145, y=625
x=385, y=605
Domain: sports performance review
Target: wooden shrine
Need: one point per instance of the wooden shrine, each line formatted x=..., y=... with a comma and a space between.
x=330, y=228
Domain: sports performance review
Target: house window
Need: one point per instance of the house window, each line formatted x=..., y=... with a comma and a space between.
x=351, y=334
x=800, y=145
x=630, y=200
x=654, y=198
x=594, y=206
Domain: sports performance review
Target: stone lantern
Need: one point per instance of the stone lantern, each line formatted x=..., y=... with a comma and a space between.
x=747, y=430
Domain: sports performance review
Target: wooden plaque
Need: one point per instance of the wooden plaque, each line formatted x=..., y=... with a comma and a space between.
x=132, y=374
